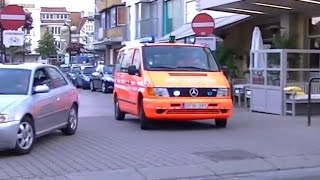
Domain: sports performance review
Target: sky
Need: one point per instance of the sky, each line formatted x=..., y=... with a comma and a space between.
x=71, y=5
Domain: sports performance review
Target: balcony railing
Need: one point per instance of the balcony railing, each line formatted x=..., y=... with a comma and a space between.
x=126, y=33
x=147, y=27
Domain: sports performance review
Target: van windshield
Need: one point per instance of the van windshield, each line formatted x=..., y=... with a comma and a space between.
x=178, y=58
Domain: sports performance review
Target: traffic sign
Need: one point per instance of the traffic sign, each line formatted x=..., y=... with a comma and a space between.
x=12, y=17
x=203, y=24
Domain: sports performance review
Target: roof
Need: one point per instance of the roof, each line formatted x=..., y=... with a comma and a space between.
x=273, y=8
x=53, y=9
x=26, y=66
x=82, y=22
x=186, y=29
x=138, y=44
x=75, y=18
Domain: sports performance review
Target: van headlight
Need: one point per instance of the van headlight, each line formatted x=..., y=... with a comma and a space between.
x=161, y=92
x=222, y=92
x=4, y=118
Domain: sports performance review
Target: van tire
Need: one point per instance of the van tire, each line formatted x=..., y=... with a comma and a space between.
x=144, y=122
x=118, y=114
x=221, y=123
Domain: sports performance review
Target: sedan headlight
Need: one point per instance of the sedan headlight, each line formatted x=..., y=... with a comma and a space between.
x=222, y=92
x=3, y=118
x=108, y=79
x=161, y=92
x=86, y=78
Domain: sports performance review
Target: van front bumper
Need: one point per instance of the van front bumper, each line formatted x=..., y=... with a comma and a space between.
x=173, y=108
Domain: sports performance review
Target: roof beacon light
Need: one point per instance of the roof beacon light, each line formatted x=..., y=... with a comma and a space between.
x=172, y=39
x=149, y=39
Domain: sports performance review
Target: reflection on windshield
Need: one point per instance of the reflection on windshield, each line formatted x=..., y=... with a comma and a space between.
x=108, y=70
x=179, y=58
x=75, y=70
x=14, y=81
x=88, y=70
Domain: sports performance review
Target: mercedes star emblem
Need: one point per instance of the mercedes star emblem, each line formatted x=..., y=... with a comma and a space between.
x=193, y=92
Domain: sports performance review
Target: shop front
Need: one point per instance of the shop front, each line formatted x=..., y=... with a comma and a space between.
x=291, y=38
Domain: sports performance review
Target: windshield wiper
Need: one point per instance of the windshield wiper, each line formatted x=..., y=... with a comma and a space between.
x=192, y=67
x=163, y=67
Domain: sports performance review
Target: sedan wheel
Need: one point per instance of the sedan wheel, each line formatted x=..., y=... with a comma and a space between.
x=72, y=125
x=103, y=87
x=92, y=88
x=26, y=137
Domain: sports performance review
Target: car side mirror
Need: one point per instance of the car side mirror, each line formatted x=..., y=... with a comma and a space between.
x=225, y=71
x=41, y=89
x=132, y=70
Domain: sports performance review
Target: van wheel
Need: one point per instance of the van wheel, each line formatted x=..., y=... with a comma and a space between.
x=26, y=137
x=221, y=123
x=144, y=122
x=118, y=114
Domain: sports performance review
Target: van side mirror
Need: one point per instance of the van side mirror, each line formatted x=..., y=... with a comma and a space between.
x=132, y=70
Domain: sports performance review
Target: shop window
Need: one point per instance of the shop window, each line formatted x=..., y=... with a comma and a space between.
x=121, y=15
x=314, y=26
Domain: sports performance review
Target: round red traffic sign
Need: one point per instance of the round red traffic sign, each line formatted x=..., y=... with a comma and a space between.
x=12, y=17
x=203, y=24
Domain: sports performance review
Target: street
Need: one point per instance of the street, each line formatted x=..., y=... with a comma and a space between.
x=104, y=148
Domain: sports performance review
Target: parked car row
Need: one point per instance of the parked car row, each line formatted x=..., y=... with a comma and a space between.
x=95, y=78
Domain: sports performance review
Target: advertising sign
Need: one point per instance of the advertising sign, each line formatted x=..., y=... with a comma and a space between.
x=13, y=38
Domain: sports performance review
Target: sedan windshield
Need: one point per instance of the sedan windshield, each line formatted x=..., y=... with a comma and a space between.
x=88, y=70
x=76, y=70
x=14, y=81
x=108, y=69
x=179, y=58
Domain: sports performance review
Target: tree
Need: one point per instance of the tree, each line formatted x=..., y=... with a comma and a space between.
x=46, y=45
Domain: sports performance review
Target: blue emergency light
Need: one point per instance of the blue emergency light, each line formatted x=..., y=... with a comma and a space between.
x=149, y=39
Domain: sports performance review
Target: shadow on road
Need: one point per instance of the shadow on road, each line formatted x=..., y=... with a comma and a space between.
x=177, y=125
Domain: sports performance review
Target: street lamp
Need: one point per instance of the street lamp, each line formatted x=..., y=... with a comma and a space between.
x=67, y=28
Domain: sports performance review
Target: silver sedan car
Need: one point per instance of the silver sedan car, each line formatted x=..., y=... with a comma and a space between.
x=35, y=99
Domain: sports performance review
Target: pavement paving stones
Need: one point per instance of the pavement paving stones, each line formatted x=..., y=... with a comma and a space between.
x=252, y=145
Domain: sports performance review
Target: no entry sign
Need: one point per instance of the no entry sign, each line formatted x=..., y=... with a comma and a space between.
x=203, y=24
x=12, y=17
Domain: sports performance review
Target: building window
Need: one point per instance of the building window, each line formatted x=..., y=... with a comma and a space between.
x=51, y=16
x=113, y=17
x=191, y=10
x=103, y=20
x=47, y=16
x=55, y=30
x=121, y=15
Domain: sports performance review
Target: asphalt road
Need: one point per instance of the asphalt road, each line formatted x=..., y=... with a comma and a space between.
x=252, y=143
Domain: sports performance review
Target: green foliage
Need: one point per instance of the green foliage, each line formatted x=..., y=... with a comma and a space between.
x=283, y=41
x=46, y=45
x=225, y=57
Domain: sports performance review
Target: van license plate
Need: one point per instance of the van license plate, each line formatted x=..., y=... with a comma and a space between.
x=195, y=106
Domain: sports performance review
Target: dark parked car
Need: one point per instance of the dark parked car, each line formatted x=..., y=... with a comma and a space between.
x=103, y=79
x=74, y=72
x=83, y=79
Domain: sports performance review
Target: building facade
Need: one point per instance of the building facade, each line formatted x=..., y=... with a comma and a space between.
x=152, y=18
x=112, y=15
x=53, y=19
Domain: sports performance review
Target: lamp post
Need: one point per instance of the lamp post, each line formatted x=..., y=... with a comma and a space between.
x=67, y=28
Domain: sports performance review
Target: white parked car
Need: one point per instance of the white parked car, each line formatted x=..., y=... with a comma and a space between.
x=35, y=99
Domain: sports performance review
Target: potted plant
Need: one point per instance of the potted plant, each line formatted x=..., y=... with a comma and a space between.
x=225, y=57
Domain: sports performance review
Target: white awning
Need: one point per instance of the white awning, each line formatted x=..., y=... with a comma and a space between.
x=186, y=29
